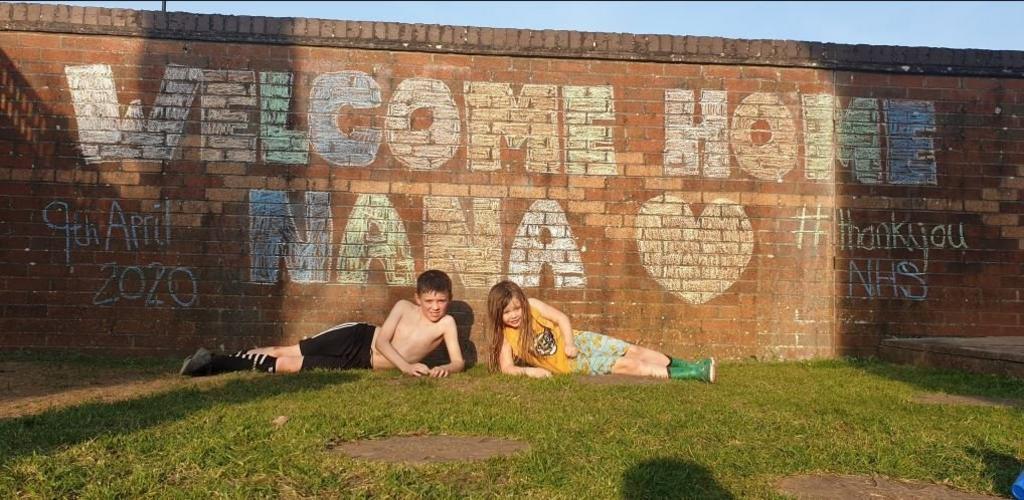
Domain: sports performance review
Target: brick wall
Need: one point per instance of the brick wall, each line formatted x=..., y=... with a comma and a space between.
x=174, y=180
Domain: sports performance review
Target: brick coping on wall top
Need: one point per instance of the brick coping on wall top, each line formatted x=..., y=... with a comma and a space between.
x=54, y=18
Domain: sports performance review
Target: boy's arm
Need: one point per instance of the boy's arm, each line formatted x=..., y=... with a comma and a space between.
x=507, y=364
x=383, y=344
x=560, y=318
x=451, y=342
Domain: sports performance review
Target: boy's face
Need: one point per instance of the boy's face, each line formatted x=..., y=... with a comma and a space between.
x=433, y=305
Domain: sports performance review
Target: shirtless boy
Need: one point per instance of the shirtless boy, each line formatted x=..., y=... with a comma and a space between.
x=410, y=332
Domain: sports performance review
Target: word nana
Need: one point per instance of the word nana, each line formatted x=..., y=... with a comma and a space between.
x=375, y=231
x=697, y=258
x=568, y=128
x=135, y=229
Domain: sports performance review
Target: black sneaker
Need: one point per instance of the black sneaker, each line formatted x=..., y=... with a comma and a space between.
x=197, y=364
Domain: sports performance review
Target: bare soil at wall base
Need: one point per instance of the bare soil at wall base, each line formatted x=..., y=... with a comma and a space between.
x=30, y=388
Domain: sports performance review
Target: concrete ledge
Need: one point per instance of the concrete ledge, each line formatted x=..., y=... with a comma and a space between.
x=993, y=355
x=55, y=18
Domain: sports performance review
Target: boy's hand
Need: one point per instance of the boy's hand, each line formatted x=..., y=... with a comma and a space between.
x=438, y=372
x=570, y=350
x=417, y=370
x=534, y=372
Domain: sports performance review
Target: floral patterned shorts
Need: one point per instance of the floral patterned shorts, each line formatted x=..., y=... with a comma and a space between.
x=598, y=353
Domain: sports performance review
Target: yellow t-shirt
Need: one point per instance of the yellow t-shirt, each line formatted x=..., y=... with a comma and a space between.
x=548, y=348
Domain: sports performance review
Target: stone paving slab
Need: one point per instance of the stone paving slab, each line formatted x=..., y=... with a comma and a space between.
x=995, y=355
x=936, y=398
x=835, y=486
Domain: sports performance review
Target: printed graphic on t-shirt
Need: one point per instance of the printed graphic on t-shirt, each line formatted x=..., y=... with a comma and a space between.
x=545, y=344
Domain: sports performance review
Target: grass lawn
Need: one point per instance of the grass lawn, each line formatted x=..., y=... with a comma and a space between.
x=762, y=421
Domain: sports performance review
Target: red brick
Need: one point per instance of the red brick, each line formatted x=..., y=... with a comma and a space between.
x=977, y=187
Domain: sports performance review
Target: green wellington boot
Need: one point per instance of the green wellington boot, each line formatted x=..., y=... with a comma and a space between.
x=674, y=362
x=698, y=370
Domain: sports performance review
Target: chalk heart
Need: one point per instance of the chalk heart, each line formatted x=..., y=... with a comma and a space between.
x=699, y=258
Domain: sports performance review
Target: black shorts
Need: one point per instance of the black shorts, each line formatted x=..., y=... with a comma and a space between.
x=340, y=347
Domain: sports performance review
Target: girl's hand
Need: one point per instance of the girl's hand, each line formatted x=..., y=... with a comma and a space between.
x=535, y=372
x=570, y=350
x=438, y=372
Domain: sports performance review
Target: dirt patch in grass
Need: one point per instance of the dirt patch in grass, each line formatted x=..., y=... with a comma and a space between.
x=830, y=486
x=426, y=449
x=938, y=398
x=621, y=380
x=29, y=388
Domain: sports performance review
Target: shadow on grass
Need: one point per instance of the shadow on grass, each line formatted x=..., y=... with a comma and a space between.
x=670, y=478
x=55, y=429
x=63, y=356
x=42, y=374
x=1000, y=467
x=948, y=381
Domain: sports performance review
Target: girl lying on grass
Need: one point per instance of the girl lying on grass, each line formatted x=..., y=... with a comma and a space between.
x=542, y=337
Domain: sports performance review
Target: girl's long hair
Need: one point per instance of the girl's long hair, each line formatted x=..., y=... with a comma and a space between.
x=499, y=297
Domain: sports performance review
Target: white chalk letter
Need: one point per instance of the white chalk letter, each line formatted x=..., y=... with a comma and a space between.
x=432, y=147
x=764, y=137
x=473, y=251
x=375, y=231
x=530, y=253
x=330, y=93
x=683, y=137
